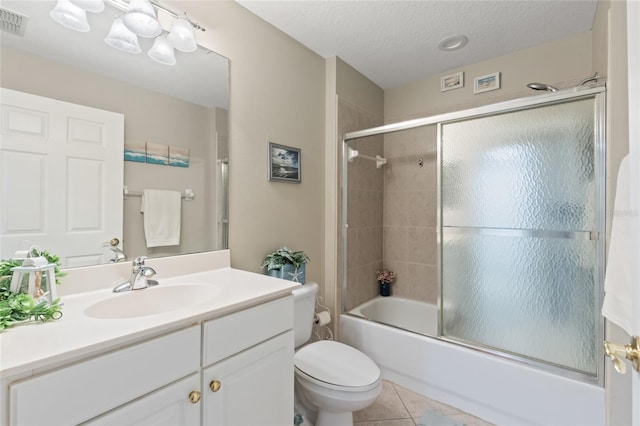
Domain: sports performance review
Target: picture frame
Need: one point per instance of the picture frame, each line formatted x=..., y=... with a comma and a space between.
x=284, y=163
x=452, y=81
x=486, y=83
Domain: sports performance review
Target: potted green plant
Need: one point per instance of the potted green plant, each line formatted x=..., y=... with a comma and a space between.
x=286, y=264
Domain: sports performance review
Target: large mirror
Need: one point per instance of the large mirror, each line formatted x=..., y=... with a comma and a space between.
x=181, y=107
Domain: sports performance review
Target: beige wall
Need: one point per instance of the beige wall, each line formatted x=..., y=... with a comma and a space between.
x=358, y=90
x=277, y=94
x=149, y=117
x=561, y=63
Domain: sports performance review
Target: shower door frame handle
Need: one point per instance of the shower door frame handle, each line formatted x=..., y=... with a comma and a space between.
x=523, y=233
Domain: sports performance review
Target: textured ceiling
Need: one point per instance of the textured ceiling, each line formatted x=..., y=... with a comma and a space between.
x=394, y=42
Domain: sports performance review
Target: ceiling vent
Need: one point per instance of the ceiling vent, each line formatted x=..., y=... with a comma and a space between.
x=12, y=22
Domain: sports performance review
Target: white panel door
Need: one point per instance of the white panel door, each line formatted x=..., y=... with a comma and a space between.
x=62, y=177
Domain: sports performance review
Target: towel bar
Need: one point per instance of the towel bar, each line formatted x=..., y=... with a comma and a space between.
x=187, y=195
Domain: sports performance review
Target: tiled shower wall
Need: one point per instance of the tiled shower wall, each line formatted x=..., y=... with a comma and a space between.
x=409, y=221
x=391, y=210
x=365, y=206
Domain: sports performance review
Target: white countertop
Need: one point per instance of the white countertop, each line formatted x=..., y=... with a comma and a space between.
x=27, y=349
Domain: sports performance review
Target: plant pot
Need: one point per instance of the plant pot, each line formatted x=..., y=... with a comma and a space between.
x=385, y=289
x=290, y=272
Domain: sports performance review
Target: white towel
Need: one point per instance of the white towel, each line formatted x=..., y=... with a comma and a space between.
x=161, y=211
x=617, y=282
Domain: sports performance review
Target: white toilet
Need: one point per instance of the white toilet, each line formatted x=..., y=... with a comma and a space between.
x=331, y=378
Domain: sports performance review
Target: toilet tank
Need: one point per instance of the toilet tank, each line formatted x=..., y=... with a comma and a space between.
x=304, y=306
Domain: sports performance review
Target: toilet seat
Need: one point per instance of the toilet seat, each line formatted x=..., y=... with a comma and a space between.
x=337, y=366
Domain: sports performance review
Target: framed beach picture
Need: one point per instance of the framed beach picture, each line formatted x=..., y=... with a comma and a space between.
x=135, y=151
x=284, y=163
x=487, y=82
x=452, y=81
x=157, y=153
x=178, y=156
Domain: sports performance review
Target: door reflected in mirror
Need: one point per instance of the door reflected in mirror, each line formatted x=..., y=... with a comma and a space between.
x=181, y=107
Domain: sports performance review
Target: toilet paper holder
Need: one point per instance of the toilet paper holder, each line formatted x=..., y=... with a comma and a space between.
x=321, y=318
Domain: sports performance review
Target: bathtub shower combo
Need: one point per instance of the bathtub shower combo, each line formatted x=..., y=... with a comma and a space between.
x=500, y=315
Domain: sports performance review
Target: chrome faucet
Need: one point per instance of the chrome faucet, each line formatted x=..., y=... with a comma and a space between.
x=118, y=254
x=140, y=275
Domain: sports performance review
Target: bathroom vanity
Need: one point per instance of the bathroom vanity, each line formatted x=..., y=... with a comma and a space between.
x=210, y=348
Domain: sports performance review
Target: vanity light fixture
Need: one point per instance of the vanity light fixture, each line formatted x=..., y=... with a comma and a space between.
x=70, y=16
x=139, y=20
x=453, y=42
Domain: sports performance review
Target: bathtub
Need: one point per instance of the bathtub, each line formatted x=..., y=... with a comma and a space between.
x=497, y=389
x=407, y=314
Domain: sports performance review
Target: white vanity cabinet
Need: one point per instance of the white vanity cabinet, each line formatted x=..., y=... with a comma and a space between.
x=86, y=389
x=244, y=383
x=169, y=406
x=236, y=369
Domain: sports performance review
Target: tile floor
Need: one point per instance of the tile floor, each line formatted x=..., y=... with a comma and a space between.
x=397, y=406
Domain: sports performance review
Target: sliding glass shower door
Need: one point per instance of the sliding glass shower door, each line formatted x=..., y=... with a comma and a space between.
x=521, y=233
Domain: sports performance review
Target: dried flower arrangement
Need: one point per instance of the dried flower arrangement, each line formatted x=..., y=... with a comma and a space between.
x=386, y=276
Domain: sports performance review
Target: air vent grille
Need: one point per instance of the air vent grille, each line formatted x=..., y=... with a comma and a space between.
x=12, y=22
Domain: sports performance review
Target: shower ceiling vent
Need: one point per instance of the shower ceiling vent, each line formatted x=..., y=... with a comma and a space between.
x=13, y=22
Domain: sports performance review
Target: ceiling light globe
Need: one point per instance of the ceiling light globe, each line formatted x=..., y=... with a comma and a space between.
x=121, y=38
x=181, y=36
x=162, y=51
x=70, y=16
x=141, y=19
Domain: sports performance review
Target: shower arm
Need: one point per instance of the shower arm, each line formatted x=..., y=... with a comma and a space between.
x=354, y=153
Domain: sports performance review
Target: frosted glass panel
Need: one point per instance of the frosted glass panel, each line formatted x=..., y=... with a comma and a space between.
x=519, y=208
x=529, y=296
x=529, y=169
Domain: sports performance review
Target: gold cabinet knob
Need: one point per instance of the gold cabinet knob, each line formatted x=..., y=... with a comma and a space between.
x=194, y=396
x=215, y=386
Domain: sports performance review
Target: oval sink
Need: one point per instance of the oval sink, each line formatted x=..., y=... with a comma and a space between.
x=152, y=301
